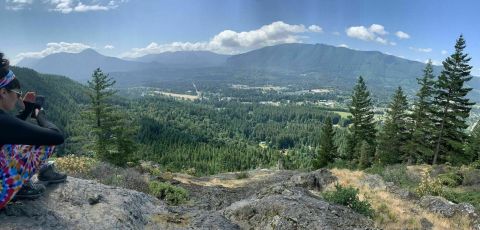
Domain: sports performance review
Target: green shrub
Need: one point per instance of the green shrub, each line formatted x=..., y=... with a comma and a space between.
x=347, y=196
x=166, y=191
x=476, y=164
x=398, y=174
x=375, y=169
x=450, y=179
x=429, y=186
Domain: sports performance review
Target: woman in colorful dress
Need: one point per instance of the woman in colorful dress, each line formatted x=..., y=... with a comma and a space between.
x=24, y=146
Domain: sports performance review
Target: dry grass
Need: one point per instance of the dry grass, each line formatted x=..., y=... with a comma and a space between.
x=227, y=180
x=393, y=212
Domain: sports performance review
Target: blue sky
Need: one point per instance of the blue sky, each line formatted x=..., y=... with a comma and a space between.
x=416, y=30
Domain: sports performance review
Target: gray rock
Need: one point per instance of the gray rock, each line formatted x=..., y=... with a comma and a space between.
x=426, y=225
x=448, y=209
x=439, y=205
x=278, y=201
x=295, y=209
x=313, y=180
x=471, y=178
x=373, y=181
x=400, y=192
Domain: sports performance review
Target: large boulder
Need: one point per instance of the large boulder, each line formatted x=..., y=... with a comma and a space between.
x=313, y=180
x=283, y=207
x=83, y=204
x=448, y=209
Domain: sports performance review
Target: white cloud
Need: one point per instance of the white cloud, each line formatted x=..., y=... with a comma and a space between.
x=17, y=4
x=444, y=52
x=109, y=47
x=372, y=33
x=315, y=28
x=378, y=29
x=69, y=6
x=232, y=42
x=393, y=43
x=336, y=33
x=381, y=40
x=402, y=35
x=343, y=45
x=424, y=50
x=54, y=47
x=360, y=32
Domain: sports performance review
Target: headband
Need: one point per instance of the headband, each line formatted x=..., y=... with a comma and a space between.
x=7, y=79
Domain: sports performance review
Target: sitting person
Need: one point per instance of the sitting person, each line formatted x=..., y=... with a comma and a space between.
x=24, y=147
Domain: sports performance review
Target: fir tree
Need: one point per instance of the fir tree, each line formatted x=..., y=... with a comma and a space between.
x=454, y=107
x=327, y=148
x=112, y=141
x=420, y=147
x=363, y=126
x=394, y=136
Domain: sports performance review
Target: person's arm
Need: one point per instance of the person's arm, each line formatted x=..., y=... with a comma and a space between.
x=16, y=131
x=26, y=111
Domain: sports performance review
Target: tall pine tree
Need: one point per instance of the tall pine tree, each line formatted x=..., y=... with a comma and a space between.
x=113, y=142
x=363, y=124
x=394, y=135
x=420, y=146
x=454, y=106
x=327, y=147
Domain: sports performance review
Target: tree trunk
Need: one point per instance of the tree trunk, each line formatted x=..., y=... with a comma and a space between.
x=437, y=148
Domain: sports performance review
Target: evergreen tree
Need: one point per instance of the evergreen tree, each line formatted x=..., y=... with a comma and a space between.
x=454, y=106
x=394, y=136
x=363, y=125
x=365, y=158
x=420, y=147
x=112, y=141
x=327, y=147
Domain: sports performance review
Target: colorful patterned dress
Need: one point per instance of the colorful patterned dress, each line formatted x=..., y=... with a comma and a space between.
x=18, y=163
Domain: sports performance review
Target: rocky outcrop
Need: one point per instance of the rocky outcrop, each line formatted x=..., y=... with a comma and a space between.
x=448, y=209
x=279, y=201
x=284, y=207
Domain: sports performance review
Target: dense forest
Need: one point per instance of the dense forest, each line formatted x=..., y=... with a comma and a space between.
x=231, y=128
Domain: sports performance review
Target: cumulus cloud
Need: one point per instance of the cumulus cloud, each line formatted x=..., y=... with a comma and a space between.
x=402, y=35
x=444, y=52
x=232, y=42
x=378, y=29
x=54, y=47
x=17, y=4
x=343, y=45
x=360, y=32
x=424, y=50
x=69, y=6
x=315, y=28
x=109, y=47
x=372, y=33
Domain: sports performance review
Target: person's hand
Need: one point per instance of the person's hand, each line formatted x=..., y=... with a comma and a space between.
x=29, y=97
x=36, y=112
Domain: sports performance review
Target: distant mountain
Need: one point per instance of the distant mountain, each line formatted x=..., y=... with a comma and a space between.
x=80, y=66
x=299, y=65
x=186, y=59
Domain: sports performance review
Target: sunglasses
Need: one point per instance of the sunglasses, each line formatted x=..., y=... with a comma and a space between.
x=19, y=93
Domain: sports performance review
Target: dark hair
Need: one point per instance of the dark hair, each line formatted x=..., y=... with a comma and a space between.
x=4, y=68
